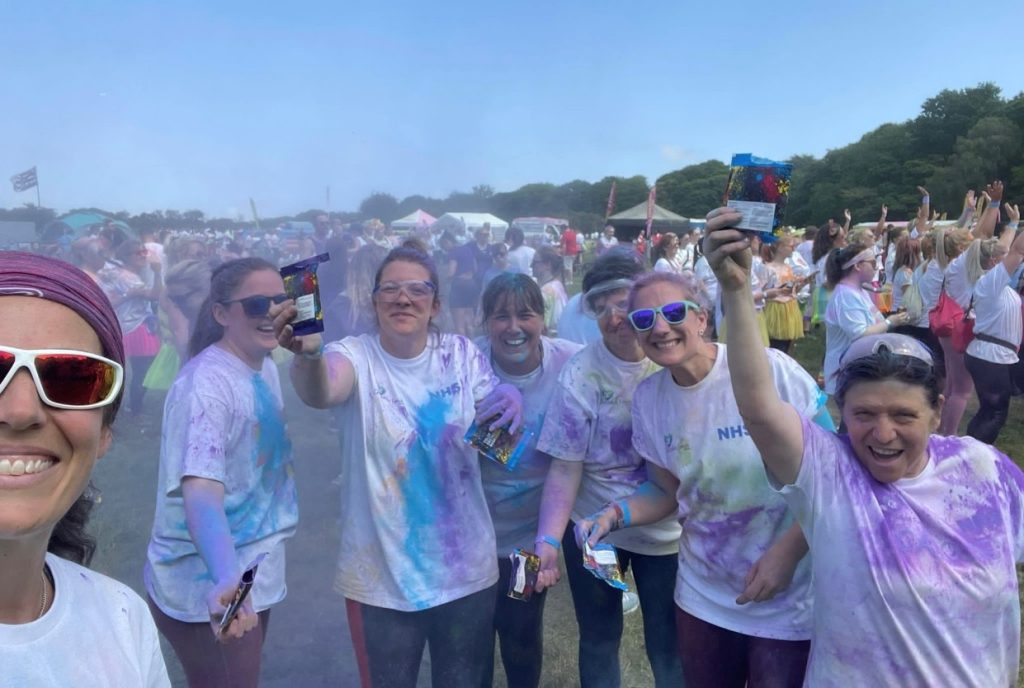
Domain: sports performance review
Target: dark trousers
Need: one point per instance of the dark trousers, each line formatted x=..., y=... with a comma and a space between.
x=599, y=616
x=211, y=664
x=714, y=657
x=519, y=626
x=389, y=644
x=993, y=387
x=136, y=392
x=783, y=345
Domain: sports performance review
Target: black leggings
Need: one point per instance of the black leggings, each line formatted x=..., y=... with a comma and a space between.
x=520, y=629
x=136, y=392
x=993, y=386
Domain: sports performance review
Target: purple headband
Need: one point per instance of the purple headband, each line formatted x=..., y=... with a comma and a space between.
x=27, y=274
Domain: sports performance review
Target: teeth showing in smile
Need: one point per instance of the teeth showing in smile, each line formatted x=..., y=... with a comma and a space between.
x=516, y=342
x=666, y=345
x=22, y=467
x=887, y=453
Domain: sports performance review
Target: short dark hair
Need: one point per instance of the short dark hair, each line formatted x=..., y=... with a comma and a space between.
x=886, y=365
x=618, y=262
x=518, y=289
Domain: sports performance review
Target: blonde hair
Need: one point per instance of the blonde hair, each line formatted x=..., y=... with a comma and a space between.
x=949, y=245
x=979, y=253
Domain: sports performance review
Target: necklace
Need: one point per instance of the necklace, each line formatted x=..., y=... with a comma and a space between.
x=42, y=603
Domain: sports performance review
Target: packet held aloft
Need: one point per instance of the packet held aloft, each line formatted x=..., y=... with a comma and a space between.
x=302, y=286
x=759, y=188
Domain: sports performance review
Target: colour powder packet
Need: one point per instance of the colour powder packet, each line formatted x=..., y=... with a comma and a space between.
x=302, y=286
x=604, y=564
x=525, y=567
x=759, y=188
x=499, y=445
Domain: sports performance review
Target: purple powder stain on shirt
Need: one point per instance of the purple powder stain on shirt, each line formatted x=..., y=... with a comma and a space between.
x=621, y=440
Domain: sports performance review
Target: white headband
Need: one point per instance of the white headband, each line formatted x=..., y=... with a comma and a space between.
x=867, y=254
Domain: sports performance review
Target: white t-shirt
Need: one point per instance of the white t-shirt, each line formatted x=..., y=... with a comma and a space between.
x=915, y=582
x=674, y=265
x=97, y=632
x=555, y=300
x=575, y=325
x=589, y=420
x=820, y=277
x=997, y=314
x=514, y=496
x=850, y=311
x=903, y=277
x=415, y=528
x=806, y=249
x=222, y=421
x=930, y=285
x=605, y=243
x=957, y=286
x=707, y=277
x=520, y=259
x=729, y=513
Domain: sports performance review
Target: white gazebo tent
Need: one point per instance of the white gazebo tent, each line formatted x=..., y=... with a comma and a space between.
x=420, y=219
x=462, y=225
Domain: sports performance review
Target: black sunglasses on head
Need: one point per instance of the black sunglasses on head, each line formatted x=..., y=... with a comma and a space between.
x=257, y=306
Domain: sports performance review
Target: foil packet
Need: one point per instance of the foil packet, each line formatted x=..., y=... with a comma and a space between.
x=500, y=446
x=759, y=188
x=303, y=287
x=603, y=563
x=523, y=580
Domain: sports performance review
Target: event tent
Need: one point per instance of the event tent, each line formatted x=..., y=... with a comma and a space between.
x=416, y=220
x=630, y=223
x=462, y=225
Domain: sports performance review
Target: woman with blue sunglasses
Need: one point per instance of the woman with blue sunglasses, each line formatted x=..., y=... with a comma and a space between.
x=587, y=432
x=61, y=376
x=226, y=493
x=742, y=593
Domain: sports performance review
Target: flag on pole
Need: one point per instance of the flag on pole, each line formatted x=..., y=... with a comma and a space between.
x=25, y=181
x=255, y=215
x=611, y=202
x=650, y=209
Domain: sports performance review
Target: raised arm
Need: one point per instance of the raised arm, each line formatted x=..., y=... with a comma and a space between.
x=1014, y=241
x=320, y=380
x=880, y=227
x=987, y=223
x=773, y=424
x=926, y=206
x=970, y=202
x=847, y=219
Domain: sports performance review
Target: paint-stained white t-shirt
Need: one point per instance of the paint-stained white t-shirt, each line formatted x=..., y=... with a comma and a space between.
x=850, y=311
x=589, y=420
x=915, y=581
x=729, y=513
x=97, y=633
x=514, y=496
x=415, y=528
x=223, y=421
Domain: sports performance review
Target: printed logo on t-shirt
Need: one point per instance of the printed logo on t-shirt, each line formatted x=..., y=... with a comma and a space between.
x=732, y=432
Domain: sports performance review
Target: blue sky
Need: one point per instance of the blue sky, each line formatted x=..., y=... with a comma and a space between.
x=145, y=105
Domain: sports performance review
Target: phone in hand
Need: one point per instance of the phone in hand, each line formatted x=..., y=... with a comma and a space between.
x=241, y=592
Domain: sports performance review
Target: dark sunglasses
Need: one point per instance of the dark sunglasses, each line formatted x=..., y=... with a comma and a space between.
x=257, y=306
x=64, y=379
x=643, y=319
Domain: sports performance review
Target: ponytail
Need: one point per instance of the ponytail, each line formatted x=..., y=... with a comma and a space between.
x=834, y=272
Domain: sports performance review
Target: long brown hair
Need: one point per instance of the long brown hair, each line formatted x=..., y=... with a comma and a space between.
x=224, y=282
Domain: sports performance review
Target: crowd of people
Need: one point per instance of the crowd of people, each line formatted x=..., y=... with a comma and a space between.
x=658, y=410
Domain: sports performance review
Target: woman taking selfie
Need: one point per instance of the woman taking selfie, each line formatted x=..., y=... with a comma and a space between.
x=60, y=387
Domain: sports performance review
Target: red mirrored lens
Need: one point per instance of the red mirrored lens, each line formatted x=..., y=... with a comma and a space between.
x=75, y=380
x=6, y=363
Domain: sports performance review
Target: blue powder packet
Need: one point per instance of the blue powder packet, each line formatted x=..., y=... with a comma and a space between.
x=500, y=446
x=603, y=563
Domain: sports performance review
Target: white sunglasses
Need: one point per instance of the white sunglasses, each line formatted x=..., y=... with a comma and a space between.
x=64, y=379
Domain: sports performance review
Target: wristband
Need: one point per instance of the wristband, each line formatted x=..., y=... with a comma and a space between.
x=926, y=199
x=549, y=540
x=622, y=506
x=993, y=204
x=620, y=516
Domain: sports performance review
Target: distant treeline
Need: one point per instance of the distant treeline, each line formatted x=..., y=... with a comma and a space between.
x=960, y=140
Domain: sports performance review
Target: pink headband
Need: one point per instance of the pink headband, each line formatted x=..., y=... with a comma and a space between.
x=27, y=274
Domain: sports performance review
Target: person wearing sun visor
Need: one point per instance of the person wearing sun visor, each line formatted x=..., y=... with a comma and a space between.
x=914, y=537
x=61, y=378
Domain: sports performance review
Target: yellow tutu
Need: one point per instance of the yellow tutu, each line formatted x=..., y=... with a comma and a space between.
x=762, y=328
x=783, y=320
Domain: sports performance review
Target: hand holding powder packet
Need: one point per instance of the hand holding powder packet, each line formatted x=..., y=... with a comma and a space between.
x=498, y=445
x=603, y=563
x=302, y=286
x=758, y=188
x=523, y=580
